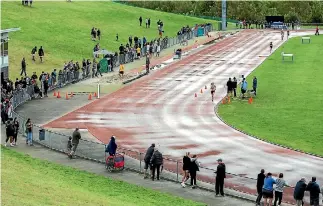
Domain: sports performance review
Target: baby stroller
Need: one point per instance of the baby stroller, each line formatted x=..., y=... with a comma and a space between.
x=114, y=163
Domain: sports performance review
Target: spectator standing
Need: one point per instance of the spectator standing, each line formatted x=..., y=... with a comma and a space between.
x=148, y=22
x=117, y=37
x=186, y=168
x=99, y=34
x=16, y=130
x=9, y=132
x=299, y=191
x=234, y=86
x=23, y=67
x=255, y=85
x=267, y=189
x=219, y=180
x=194, y=167
x=54, y=77
x=260, y=184
x=140, y=20
x=147, y=63
x=130, y=41
x=280, y=184
x=147, y=159
x=229, y=87
x=33, y=53
x=112, y=146
x=156, y=163
x=158, y=49
x=76, y=136
x=314, y=190
x=317, y=30
x=244, y=87
x=29, y=131
x=41, y=53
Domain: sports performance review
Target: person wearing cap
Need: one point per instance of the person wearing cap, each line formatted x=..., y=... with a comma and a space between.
x=220, y=175
x=156, y=162
x=76, y=136
x=314, y=190
x=299, y=191
x=147, y=158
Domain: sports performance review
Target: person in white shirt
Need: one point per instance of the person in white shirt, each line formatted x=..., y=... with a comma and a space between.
x=279, y=189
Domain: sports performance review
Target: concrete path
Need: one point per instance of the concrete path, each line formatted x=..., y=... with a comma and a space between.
x=162, y=108
x=206, y=197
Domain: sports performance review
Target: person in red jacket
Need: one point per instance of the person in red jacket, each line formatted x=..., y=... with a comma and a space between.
x=317, y=30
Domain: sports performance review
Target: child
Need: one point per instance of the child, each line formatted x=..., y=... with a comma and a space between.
x=69, y=145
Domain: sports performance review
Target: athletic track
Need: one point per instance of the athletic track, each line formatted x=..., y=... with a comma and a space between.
x=161, y=108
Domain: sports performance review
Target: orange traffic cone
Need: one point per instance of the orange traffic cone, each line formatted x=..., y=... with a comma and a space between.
x=72, y=95
x=205, y=87
x=66, y=96
x=201, y=91
x=95, y=95
x=55, y=93
x=58, y=95
x=250, y=100
x=195, y=95
x=90, y=96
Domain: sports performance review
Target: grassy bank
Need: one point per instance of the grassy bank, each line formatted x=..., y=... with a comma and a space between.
x=288, y=108
x=29, y=181
x=63, y=29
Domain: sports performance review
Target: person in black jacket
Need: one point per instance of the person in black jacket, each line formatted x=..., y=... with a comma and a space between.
x=156, y=162
x=314, y=190
x=194, y=167
x=234, y=85
x=229, y=87
x=220, y=175
x=23, y=67
x=299, y=191
x=41, y=53
x=147, y=158
x=186, y=168
x=10, y=130
x=260, y=184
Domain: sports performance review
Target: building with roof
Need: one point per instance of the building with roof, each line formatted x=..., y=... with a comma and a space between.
x=4, y=58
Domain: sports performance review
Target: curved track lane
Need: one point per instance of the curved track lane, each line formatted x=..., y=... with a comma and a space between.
x=161, y=108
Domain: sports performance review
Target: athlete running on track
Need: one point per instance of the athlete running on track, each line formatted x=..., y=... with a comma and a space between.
x=213, y=88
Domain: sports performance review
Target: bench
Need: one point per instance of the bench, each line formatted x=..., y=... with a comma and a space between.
x=306, y=39
x=287, y=55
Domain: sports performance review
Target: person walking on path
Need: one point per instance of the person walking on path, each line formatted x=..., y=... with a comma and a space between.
x=219, y=180
x=260, y=184
x=23, y=67
x=76, y=136
x=41, y=53
x=317, y=31
x=314, y=190
x=112, y=146
x=280, y=184
x=186, y=168
x=267, y=189
x=255, y=85
x=194, y=167
x=147, y=158
x=9, y=132
x=29, y=131
x=299, y=191
x=156, y=162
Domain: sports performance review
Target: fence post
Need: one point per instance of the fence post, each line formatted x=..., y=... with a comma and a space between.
x=140, y=162
x=177, y=170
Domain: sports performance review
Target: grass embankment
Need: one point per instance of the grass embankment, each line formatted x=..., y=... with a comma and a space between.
x=63, y=29
x=289, y=107
x=28, y=181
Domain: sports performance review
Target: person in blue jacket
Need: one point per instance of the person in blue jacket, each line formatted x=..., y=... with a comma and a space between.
x=244, y=87
x=268, y=189
x=112, y=146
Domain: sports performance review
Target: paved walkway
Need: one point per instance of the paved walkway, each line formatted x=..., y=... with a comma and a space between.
x=162, y=108
x=206, y=197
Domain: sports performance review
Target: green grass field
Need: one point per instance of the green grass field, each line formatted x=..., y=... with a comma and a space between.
x=63, y=29
x=289, y=107
x=28, y=181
